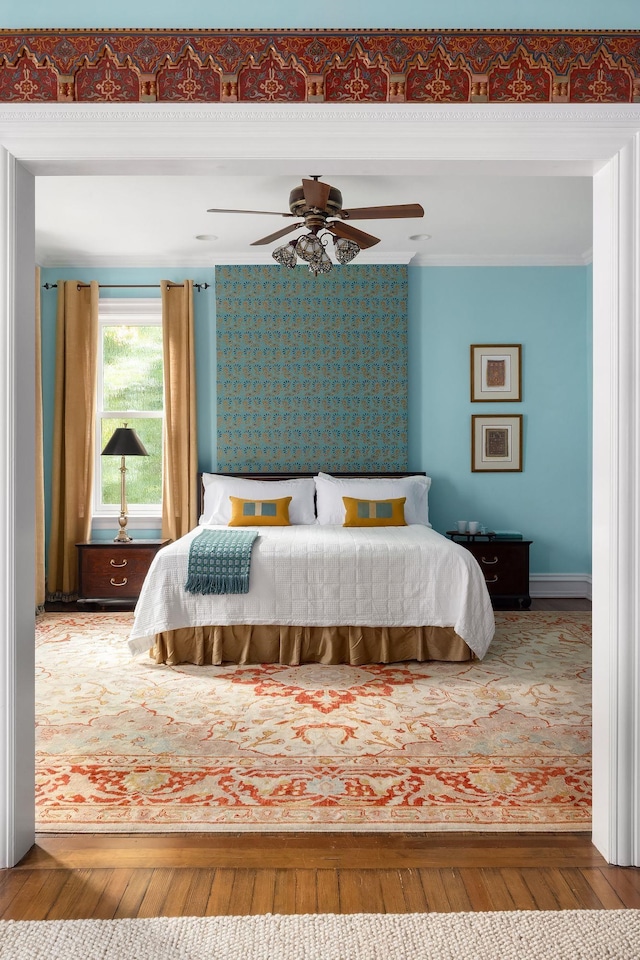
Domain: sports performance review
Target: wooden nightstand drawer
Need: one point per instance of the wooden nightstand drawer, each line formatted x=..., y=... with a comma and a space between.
x=505, y=565
x=114, y=571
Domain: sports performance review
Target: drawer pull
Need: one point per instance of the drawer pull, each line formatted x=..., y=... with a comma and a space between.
x=493, y=579
x=484, y=560
x=114, y=564
x=123, y=584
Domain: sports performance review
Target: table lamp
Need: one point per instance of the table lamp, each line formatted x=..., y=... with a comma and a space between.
x=125, y=442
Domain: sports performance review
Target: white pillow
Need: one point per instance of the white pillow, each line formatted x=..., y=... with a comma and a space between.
x=330, y=491
x=218, y=489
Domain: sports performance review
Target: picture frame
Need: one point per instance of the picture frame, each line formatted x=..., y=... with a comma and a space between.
x=496, y=372
x=496, y=443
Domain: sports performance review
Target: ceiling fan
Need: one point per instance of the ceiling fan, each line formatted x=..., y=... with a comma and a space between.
x=319, y=208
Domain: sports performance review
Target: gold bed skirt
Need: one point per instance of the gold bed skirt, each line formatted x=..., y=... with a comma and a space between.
x=294, y=645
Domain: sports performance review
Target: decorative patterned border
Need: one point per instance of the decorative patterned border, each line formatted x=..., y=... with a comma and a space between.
x=291, y=66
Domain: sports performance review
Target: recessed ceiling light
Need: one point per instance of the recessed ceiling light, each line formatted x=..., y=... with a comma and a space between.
x=420, y=236
x=206, y=236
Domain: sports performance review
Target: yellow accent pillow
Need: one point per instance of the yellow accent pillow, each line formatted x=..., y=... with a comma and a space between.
x=259, y=513
x=374, y=513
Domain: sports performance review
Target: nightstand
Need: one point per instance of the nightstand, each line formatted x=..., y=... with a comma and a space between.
x=111, y=572
x=505, y=564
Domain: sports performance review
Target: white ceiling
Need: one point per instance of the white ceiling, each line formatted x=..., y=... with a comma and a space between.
x=154, y=220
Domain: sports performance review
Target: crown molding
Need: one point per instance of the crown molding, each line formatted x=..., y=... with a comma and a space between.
x=327, y=113
x=84, y=261
x=228, y=259
x=499, y=260
x=366, y=257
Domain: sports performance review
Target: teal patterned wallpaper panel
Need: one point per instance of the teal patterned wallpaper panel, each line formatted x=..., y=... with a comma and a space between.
x=312, y=371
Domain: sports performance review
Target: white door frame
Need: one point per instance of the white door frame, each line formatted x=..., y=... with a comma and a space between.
x=598, y=141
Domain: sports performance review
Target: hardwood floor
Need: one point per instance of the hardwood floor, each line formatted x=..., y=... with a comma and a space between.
x=144, y=875
x=560, y=603
x=73, y=877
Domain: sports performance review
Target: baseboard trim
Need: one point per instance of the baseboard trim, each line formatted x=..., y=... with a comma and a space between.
x=560, y=585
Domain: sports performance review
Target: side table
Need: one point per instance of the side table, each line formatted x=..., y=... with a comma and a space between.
x=505, y=564
x=113, y=572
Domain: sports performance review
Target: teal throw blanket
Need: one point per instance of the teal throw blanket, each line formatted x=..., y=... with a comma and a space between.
x=219, y=561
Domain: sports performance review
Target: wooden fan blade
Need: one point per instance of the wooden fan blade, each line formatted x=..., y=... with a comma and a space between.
x=270, y=213
x=391, y=212
x=341, y=229
x=277, y=234
x=316, y=193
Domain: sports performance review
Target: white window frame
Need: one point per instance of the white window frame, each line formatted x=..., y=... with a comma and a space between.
x=140, y=311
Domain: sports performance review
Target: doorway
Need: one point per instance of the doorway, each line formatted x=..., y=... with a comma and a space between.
x=601, y=142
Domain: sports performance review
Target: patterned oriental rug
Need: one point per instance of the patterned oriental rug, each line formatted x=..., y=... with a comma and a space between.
x=124, y=745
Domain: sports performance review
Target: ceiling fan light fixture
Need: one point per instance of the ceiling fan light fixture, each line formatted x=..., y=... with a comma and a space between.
x=318, y=207
x=345, y=249
x=310, y=248
x=286, y=255
x=321, y=265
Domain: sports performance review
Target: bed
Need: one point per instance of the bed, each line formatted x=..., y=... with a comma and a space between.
x=320, y=591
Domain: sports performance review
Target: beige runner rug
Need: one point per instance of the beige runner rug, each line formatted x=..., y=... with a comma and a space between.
x=521, y=935
x=126, y=745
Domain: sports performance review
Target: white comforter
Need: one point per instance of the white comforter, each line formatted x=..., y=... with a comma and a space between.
x=328, y=576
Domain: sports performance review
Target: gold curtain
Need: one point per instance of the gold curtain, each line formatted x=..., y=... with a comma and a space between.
x=180, y=458
x=73, y=432
x=39, y=465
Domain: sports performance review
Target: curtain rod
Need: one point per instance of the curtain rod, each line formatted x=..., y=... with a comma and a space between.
x=122, y=286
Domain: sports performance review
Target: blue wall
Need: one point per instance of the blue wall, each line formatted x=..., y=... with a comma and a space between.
x=547, y=310
x=469, y=14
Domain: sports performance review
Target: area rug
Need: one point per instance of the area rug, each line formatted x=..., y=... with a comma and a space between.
x=527, y=935
x=124, y=745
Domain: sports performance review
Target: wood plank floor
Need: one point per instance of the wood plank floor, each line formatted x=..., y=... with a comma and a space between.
x=72, y=877
x=144, y=875
x=560, y=603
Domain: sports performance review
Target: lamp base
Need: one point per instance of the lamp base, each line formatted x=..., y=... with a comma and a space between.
x=123, y=537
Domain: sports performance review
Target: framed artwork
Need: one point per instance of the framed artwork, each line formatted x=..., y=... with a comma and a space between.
x=496, y=372
x=496, y=443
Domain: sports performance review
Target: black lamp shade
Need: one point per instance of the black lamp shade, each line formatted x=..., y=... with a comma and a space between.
x=125, y=442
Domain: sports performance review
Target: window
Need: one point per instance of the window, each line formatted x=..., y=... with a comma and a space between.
x=130, y=390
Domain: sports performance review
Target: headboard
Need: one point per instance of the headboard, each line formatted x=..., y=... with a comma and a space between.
x=347, y=475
